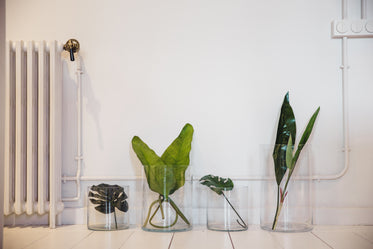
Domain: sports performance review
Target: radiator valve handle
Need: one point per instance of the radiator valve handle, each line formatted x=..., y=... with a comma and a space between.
x=72, y=46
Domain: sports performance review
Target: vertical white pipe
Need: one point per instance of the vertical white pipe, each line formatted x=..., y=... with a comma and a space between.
x=344, y=9
x=364, y=9
x=20, y=135
x=79, y=156
x=7, y=134
x=55, y=133
x=345, y=68
x=31, y=128
x=42, y=127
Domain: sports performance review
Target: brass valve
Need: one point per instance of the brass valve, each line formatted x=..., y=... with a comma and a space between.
x=72, y=46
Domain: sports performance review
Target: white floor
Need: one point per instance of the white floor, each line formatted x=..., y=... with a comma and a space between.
x=341, y=237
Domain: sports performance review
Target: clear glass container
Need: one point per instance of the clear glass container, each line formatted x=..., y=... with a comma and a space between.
x=168, y=211
x=107, y=207
x=291, y=203
x=228, y=211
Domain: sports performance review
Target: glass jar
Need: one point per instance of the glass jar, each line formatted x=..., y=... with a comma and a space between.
x=228, y=211
x=287, y=207
x=107, y=207
x=167, y=208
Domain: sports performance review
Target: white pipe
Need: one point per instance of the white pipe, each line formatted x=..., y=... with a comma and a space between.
x=79, y=157
x=19, y=174
x=31, y=128
x=344, y=9
x=364, y=9
x=8, y=126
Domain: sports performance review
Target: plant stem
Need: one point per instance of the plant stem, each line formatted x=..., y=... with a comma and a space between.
x=281, y=202
x=277, y=211
x=150, y=209
x=160, y=200
x=115, y=219
x=230, y=204
x=177, y=210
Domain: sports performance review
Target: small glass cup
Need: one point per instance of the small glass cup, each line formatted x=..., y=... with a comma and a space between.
x=228, y=211
x=107, y=207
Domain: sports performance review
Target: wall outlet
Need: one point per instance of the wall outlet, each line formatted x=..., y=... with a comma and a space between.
x=352, y=28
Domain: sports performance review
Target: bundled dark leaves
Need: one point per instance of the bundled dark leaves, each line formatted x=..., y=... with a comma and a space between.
x=108, y=197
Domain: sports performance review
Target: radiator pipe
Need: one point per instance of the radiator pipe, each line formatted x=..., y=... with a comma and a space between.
x=79, y=157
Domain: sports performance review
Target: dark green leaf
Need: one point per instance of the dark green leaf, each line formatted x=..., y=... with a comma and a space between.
x=107, y=197
x=216, y=183
x=306, y=134
x=286, y=127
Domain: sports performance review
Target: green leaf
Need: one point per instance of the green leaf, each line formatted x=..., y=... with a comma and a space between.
x=177, y=155
x=286, y=128
x=160, y=176
x=166, y=174
x=306, y=134
x=216, y=183
x=289, y=154
x=107, y=197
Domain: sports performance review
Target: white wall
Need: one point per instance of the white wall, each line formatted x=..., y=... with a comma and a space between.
x=223, y=66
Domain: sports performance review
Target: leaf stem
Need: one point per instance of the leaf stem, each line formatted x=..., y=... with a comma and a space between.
x=160, y=200
x=277, y=207
x=115, y=219
x=150, y=209
x=230, y=204
x=280, y=202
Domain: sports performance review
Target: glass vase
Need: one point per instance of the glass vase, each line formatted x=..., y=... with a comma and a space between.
x=168, y=208
x=287, y=207
x=228, y=211
x=107, y=207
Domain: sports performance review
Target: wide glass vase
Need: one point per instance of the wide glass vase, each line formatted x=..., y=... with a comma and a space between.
x=286, y=207
x=229, y=210
x=107, y=207
x=167, y=201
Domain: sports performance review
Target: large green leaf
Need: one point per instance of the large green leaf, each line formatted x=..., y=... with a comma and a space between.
x=306, y=134
x=216, y=183
x=177, y=155
x=160, y=176
x=286, y=127
x=166, y=174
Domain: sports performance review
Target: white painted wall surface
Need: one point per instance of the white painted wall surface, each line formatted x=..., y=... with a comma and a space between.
x=223, y=66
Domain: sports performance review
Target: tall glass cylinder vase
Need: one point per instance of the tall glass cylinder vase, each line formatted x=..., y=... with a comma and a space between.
x=286, y=207
x=167, y=201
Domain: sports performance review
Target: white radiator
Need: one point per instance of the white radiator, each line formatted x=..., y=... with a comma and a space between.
x=32, y=141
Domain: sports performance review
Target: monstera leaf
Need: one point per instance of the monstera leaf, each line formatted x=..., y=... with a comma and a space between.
x=108, y=197
x=166, y=174
x=216, y=183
